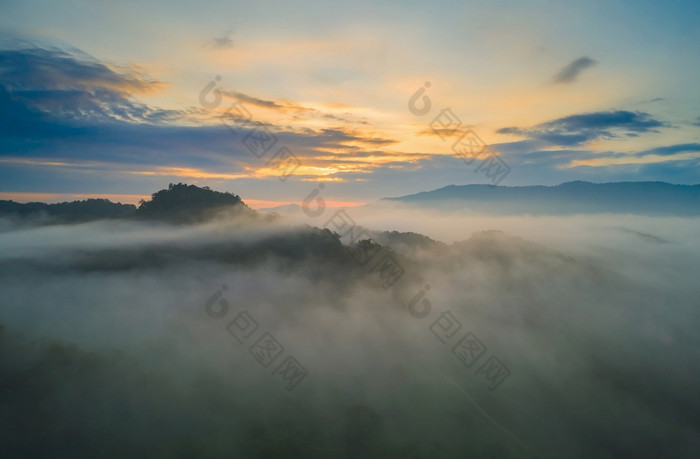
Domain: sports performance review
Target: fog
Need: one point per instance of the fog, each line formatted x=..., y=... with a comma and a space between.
x=117, y=337
x=653, y=247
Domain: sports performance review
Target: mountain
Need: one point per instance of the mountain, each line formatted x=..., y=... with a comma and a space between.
x=180, y=203
x=644, y=198
x=66, y=212
x=285, y=209
x=184, y=203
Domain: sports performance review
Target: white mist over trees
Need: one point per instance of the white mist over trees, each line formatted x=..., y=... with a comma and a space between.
x=107, y=348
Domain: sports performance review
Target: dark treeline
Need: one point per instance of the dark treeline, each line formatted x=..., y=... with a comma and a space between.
x=180, y=203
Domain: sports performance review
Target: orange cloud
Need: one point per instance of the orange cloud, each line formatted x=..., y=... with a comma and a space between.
x=191, y=173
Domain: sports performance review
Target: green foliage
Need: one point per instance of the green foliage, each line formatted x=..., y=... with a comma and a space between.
x=184, y=203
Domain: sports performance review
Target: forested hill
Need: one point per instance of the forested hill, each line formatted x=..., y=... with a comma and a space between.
x=179, y=203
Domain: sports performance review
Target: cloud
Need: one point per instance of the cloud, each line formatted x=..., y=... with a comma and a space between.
x=268, y=104
x=682, y=171
x=671, y=150
x=71, y=123
x=29, y=68
x=569, y=73
x=223, y=41
x=578, y=129
x=74, y=86
x=442, y=133
x=82, y=118
x=92, y=126
x=297, y=110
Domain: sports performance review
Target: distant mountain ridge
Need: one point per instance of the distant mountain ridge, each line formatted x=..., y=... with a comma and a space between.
x=182, y=203
x=645, y=198
x=69, y=212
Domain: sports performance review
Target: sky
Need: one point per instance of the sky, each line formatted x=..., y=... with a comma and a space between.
x=272, y=100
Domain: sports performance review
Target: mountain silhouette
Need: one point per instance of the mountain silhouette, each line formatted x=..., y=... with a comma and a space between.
x=66, y=212
x=184, y=203
x=643, y=198
x=180, y=203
